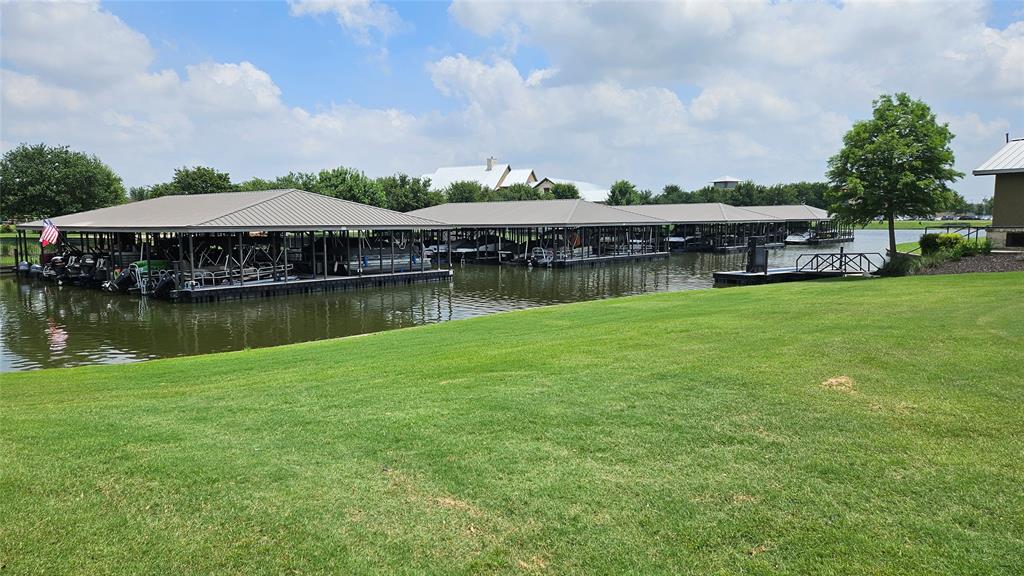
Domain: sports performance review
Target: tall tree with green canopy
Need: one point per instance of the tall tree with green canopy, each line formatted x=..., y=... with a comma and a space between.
x=565, y=191
x=520, y=191
x=42, y=181
x=201, y=180
x=898, y=163
x=624, y=193
x=465, y=191
x=404, y=193
x=349, y=184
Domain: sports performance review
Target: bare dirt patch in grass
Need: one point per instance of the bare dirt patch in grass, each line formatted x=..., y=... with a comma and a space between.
x=839, y=384
x=534, y=564
x=741, y=499
x=456, y=504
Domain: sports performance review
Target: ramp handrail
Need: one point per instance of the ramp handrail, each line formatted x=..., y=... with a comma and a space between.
x=842, y=261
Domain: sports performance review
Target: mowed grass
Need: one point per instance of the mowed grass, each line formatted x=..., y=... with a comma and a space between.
x=908, y=247
x=843, y=427
x=921, y=224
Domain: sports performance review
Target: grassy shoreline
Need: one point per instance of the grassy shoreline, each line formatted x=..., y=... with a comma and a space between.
x=868, y=426
x=922, y=224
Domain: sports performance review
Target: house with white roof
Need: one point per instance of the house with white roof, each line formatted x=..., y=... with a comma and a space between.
x=587, y=190
x=726, y=182
x=489, y=175
x=1007, y=165
x=496, y=176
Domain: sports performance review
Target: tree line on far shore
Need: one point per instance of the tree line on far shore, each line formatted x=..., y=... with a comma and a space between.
x=46, y=181
x=868, y=179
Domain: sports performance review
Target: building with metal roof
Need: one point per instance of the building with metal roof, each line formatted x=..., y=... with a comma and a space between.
x=725, y=182
x=587, y=190
x=709, y=212
x=265, y=210
x=791, y=212
x=533, y=214
x=1008, y=160
x=1007, y=165
x=237, y=244
x=519, y=176
x=490, y=175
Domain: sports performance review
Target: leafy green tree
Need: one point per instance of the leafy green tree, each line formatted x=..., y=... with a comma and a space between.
x=624, y=193
x=255, y=184
x=297, y=180
x=199, y=180
x=404, y=193
x=672, y=194
x=520, y=192
x=564, y=191
x=137, y=193
x=348, y=184
x=44, y=181
x=466, y=191
x=898, y=163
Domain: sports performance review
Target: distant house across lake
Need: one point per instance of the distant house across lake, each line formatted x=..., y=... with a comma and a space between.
x=495, y=176
x=1007, y=165
x=726, y=183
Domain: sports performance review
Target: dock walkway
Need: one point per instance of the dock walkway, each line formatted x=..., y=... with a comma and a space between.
x=306, y=286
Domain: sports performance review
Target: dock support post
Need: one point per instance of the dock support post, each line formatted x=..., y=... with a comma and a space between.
x=241, y=261
x=284, y=244
x=391, y=242
x=325, y=254
x=409, y=243
x=191, y=260
x=448, y=241
x=149, y=261
x=423, y=259
x=359, y=252
x=181, y=260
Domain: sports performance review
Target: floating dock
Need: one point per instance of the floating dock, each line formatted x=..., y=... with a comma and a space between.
x=772, y=276
x=808, y=267
x=306, y=286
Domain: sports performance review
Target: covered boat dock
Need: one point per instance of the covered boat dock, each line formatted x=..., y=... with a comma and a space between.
x=239, y=244
x=557, y=233
x=717, y=227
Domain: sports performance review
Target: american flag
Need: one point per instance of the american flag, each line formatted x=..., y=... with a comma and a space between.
x=50, y=233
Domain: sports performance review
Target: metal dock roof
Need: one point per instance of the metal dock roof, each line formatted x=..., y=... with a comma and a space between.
x=710, y=212
x=530, y=213
x=791, y=212
x=1008, y=160
x=269, y=210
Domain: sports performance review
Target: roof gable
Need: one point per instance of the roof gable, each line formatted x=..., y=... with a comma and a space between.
x=528, y=213
x=1008, y=160
x=261, y=210
x=445, y=177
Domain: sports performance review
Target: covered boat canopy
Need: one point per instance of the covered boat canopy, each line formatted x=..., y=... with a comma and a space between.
x=534, y=213
x=265, y=210
x=701, y=213
x=792, y=212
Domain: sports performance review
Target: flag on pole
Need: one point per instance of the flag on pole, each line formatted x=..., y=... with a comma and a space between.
x=49, y=234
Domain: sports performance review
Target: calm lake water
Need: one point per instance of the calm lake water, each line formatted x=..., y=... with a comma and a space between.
x=48, y=326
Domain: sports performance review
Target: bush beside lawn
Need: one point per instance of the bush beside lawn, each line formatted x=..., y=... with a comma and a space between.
x=870, y=426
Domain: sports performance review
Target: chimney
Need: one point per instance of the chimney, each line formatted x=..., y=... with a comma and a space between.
x=490, y=163
x=1007, y=140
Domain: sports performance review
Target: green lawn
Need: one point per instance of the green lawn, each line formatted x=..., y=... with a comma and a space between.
x=908, y=247
x=838, y=427
x=921, y=224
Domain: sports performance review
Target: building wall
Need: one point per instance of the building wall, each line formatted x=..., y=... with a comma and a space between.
x=1008, y=201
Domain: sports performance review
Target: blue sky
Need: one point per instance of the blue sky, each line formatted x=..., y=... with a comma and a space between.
x=308, y=58
x=653, y=92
